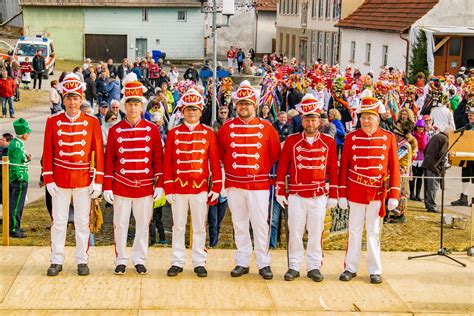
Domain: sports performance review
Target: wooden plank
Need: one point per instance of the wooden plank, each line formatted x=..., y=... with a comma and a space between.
x=219, y=291
x=100, y=290
x=12, y=260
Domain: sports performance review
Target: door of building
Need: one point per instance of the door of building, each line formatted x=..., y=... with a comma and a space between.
x=448, y=57
x=140, y=47
x=102, y=47
x=303, y=47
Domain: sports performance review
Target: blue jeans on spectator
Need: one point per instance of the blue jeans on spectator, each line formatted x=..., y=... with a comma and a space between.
x=275, y=223
x=4, y=106
x=214, y=219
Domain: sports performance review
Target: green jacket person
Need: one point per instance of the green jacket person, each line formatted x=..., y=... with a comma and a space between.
x=18, y=176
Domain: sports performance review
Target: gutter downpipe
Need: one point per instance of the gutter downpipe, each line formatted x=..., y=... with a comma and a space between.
x=407, y=58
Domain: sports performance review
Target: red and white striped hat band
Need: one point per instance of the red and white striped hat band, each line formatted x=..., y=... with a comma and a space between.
x=192, y=98
x=371, y=105
x=246, y=92
x=309, y=105
x=72, y=84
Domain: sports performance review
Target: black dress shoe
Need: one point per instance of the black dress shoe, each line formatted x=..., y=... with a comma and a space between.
x=291, y=274
x=347, y=276
x=200, y=271
x=54, y=269
x=82, y=269
x=17, y=234
x=266, y=273
x=140, y=268
x=173, y=271
x=375, y=279
x=239, y=271
x=120, y=269
x=315, y=275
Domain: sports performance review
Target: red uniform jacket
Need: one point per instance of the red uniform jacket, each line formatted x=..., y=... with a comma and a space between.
x=309, y=165
x=188, y=157
x=369, y=167
x=133, y=159
x=248, y=151
x=67, y=149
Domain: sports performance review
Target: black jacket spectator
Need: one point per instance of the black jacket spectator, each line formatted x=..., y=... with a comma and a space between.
x=191, y=74
x=436, y=148
x=123, y=71
x=38, y=63
x=294, y=97
x=283, y=130
x=296, y=126
x=91, y=90
x=112, y=70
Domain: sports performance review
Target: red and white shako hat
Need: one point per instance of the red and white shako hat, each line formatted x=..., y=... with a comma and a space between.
x=310, y=105
x=72, y=85
x=133, y=89
x=246, y=92
x=371, y=105
x=191, y=98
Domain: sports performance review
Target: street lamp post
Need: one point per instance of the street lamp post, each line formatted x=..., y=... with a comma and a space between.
x=227, y=10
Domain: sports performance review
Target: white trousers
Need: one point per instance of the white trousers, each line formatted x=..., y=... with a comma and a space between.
x=309, y=212
x=142, y=211
x=198, y=205
x=230, y=62
x=250, y=205
x=82, y=209
x=360, y=213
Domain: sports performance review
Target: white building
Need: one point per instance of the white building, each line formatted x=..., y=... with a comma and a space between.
x=305, y=29
x=382, y=33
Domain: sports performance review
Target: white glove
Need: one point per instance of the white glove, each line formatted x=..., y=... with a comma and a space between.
x=331, y=203
x=170, y=198
x=109, y=196
x=95, y=190
x=281, y=199
x=392, y=204
x=342, y=203
x=212, y=196
x=158, y=194
x=52, y=188
x=223, y=193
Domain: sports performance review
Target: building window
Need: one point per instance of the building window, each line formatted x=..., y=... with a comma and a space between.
x=384, y=55
x=328, y=9
x=335, y=10
x=182, y=16
x=287, y=45
x=321, y=9
x=320, y=45
x=145, y=14
x=314, y=9
x=314, y=42
x=327, y=39
x=353, y=52
x=335, y=48
x=281, y=43
x=293, y=46
x=368, y=47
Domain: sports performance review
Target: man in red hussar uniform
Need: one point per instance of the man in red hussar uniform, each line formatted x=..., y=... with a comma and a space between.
x=311, y=158
x=133, y=175
x=249, y=146
x=191, y=154
x=70, y=139
x=369, y=173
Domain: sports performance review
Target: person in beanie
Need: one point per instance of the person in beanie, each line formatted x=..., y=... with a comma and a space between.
x=249, y=146
x=70, y=139
x=191, y=157
x=368, y=174
x=18, y=176
x=310, y=158
x=133, y=175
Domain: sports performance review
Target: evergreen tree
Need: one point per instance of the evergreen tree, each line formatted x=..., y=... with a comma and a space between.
x=419, y=60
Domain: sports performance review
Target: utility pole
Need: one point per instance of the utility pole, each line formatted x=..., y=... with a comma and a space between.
x=227, y=10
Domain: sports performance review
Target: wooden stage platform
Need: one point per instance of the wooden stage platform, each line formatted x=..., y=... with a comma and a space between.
x=421, y=286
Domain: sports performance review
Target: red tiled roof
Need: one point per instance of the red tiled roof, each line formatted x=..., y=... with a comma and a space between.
x=387, y=15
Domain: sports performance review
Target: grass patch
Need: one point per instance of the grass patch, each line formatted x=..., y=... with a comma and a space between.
x=67, y=65
x=419, y=233
x=32, y=98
